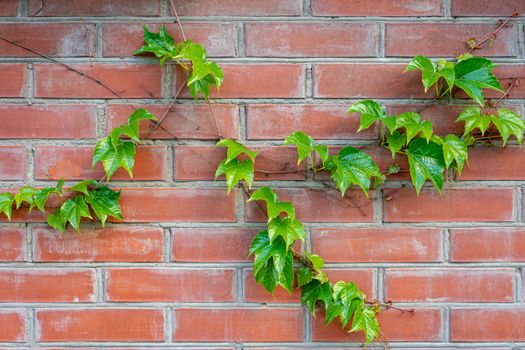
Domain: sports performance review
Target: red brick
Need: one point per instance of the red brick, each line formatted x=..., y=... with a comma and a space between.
x=50, y=39
x=506, y=164
x=47, y=285
x=378, y=8
x=15, y=74
x=278, y=39
x=191, y=121
x=12, y=244
x=122, y=243
x=359, y=80
x=364, y=278
x=122, y=39
x=12, y=325
x=377, y=244
x=453, y=205
x=506, y=74
x=170, y=285
x=421, y=325
x=268, y=325
x=211, y=244
x=74, y=163
x=123, y=81
x=9, y=8
x=272, y=163
x=12, y=163
x=449, y=285
x=487, y=324
x=412, y=39
x=487, y=7
x=321, y=121
x=94, y=8
x=177, y=204
x=100, y=325
x=487, y=244
x=48, y=121
x=238, y=8
x=257, y=81
x=321, y=205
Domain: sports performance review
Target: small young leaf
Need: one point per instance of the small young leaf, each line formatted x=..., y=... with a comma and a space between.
x=413, y=125
x=236, y=171
x=25, y=194
x=288, y=228
x=304, y=275
x=6, y=204
x=454, y=149
x=161, y=44
x=396, y=141
x=370, y=110
x=316, y=291
x=509, y=123
x=316, y=261
x=234, y=149
x=73, y=210
x=365, y=320
x=428, y=70
x=136, y=117
x=474, y=120
x=426, y=162
x=274, y=206
x=82, y=186
x=56, y=221
x=104, y=202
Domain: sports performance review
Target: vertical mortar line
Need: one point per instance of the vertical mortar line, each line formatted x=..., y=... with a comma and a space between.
x=239, y=279
x=167, y=245
x=31, y=327
x=380, y=284
x=518, y=204
x=240, y=49
x=22, y=9
x=518, y=298
x=98, y=40
x=170, y=163
x=521, y=40
x=100, y=292
x=243, y=122
x=306, y=8
x=447, y=8
x=308, y=85
x=307, y=326
x=381, y=39
x=168, y=326
x=167, y=82
x=29, y=243
x=446, y=325
x=377, y=205
x=239, y=205
x=30, y=82
x=164, y=8
x=101, y=119
x=445, y=234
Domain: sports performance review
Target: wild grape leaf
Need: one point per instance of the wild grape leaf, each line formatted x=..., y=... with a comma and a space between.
x=333, y=311
x=6, y=204
x=454, y=149
x=287, y=276
x=161, y=44
x=104, y=202
x=234, y=149
x=274, y=206
x=426, y=162
x=266, y=275
x=346, y=296
x=113, y=158
x=316, y=260
x=304, y=275
x=352, y=166
x=136, y=117
x=236, y=171
x=474, y=120
x=396, y=141
x=289, y=229
x=474, y=74
x=306, y=145
x=56, y=221
x=365, y=320
x=41, y=196
x=429, y=73
x=316, y=291
x=509, y=123
x=83, y=186
x=370, y=110
x=73, y=210
x=25, y=194
x=413, y=125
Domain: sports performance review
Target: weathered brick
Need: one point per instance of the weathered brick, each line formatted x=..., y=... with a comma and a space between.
x=12, y=244
x=13, y=325
x=487, y=324
x=13, y=163
x=15, y=74
x=238, y=8
x=93, y=8
x=486, y=7
x=377, y=8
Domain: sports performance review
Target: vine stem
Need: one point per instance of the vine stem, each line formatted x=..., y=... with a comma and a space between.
x=178, y=20
x=492, y=35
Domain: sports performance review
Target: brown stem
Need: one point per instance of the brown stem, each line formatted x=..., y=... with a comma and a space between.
x=178, y=20
x=493, y=35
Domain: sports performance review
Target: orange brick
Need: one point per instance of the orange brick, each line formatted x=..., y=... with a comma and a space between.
x=12, y=244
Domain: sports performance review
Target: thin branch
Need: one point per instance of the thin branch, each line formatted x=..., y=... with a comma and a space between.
x=178, y=21
x=493, y=35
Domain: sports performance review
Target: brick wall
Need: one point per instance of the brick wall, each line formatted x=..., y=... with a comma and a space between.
x=175, y=274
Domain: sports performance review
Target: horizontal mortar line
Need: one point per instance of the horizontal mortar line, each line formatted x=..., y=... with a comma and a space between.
x=150, y=305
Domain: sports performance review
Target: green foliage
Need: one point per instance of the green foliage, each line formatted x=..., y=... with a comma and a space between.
x=315, y=291
x=426, y=162
x=6, y=204
x=509, y=123
x=203, y=73
x=471, y=75
x=113, y=152
x=274, y=206
x=306, y=145
x=454, y=150
x=474, y=119
x=233, y=168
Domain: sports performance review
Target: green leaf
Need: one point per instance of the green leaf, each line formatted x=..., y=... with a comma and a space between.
x=509, y=123
x=25, y=194
x=236, y=171
x=104, y=202
x=352, y=166
x=428, y=70
x=316, y=260
x=365, y=320
x=234, y=149
x=287, y=276
x=396, y=141
x=73, y=210
x=136, y=117
x=274, y=206
x=161, y=44
x=6, y=204
x=56, y=221
x=306, y=145
x=454, y=149
x=370, y=110
x=82, y=186
x=266, y=275
x=474, y=74
x=115, y=157
x=304, y=275
x=426, y=162
x=333, y=311
x=289, y=229
x=413, y=125
x=474, y=120
x=316, y=291
x=41, y=196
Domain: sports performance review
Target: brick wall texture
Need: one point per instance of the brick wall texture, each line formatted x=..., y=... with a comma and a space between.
x=175, y=274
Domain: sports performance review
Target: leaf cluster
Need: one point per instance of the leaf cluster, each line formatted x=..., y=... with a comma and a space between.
x=192, y=57
x=238, y=164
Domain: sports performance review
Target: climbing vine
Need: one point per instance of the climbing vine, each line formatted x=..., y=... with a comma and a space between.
x=429, y=156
